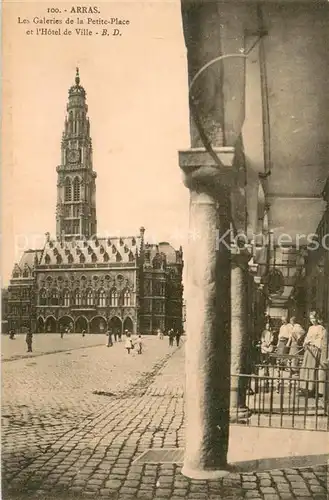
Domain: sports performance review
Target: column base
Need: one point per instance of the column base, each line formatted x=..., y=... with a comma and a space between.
x=239, y=415
x=202, y=474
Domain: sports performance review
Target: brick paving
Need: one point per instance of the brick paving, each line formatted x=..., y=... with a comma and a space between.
x=75, y=421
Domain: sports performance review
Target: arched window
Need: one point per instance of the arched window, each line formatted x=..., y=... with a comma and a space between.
x=77, y=298
x=59, y=259
x=66, y=298
x=101, y=298
x=54, y=297
x=70, y=259
x=76, y=189
x=47, y=259
x=106, y=257
x=82, y=258
x=114, y=298
x=43, y=297
x=94, y=257
x=25, y=273
x=126, y=298
x=90, y=298
x=67, y=190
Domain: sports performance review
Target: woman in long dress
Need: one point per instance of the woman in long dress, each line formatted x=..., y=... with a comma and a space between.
x=313, y=343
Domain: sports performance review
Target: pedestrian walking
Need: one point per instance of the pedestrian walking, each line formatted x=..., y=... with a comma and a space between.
x=139, y=344
x=109, y=338
x=83, y=333
x=129, y=343
x=178, y=335
x=160, y=334
x=29, y=340
x=12, y=334
x=171, y=337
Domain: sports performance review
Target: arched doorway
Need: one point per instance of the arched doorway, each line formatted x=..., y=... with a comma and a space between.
x=128, y=325
x=40, y=325
x=50, y=325
x=98, y=325
x=115, y=325
x=66, y=322
x=81, y=324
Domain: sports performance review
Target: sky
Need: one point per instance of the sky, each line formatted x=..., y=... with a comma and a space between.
x=136, y=88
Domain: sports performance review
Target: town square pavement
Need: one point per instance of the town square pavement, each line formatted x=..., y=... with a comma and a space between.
x=77, y=414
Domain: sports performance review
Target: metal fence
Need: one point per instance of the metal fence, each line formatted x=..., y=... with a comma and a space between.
x=277, y=396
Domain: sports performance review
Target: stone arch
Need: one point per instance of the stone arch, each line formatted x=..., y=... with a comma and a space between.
x=115, y=325
x=126, y=297
x=43, y=297
x=67, y=189
x=40, y=324
x=65, y=322
x=50, y=324
x=98, y=324
x=128, y=324
x=81, y=323
x=101, y=297
x=76, y=188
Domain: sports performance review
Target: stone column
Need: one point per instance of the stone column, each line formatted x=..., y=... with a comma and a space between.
x=239, y=332
x=208, y=313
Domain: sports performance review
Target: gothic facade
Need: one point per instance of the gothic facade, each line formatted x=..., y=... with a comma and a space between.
x=81, y=281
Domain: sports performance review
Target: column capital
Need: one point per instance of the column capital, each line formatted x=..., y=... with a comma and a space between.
x=203, y=174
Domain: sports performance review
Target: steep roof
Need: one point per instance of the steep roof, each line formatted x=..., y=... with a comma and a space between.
x=94, y=251
x=28, y=258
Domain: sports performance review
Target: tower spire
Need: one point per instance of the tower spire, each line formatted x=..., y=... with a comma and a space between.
x=76, y=188
x=77, y=77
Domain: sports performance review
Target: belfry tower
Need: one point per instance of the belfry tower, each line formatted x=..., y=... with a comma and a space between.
x=76, y=187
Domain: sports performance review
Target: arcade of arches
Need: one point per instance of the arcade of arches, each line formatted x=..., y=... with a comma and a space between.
x=97, y=324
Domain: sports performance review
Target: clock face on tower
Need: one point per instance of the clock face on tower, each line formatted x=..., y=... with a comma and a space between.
x=73, y=155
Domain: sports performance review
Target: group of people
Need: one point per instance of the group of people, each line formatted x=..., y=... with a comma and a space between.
x=130, y=341
x=290, y=339
x=313, y=345
x=172, y=335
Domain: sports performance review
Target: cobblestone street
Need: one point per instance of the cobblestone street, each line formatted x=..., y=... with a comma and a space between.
x=73, y=422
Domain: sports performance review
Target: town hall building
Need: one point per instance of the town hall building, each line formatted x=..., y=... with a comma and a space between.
x=79, y=281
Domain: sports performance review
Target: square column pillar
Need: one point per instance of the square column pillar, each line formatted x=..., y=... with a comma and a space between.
x=208, y=312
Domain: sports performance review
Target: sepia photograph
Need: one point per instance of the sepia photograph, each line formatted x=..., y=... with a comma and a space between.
x=165, y=250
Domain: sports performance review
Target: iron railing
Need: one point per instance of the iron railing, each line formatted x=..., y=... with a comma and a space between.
x=277, y=396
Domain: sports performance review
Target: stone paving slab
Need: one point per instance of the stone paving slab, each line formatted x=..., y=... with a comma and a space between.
x=50, y=343
x=61, y=441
